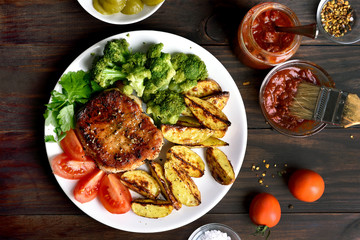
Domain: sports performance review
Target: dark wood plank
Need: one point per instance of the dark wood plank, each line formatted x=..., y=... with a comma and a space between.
x=298, y=226
x=52, y=23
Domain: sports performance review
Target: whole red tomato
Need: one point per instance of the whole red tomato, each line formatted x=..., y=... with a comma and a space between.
x=265, y=212
x=306, y=185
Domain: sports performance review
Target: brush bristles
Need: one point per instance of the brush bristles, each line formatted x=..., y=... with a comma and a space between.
x=304, y=102
x=351, y=115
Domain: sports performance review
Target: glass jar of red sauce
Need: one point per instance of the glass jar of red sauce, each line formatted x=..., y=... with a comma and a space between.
x=278, y=90
x=259, y=45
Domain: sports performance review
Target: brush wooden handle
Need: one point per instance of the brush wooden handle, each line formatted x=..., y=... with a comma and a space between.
x=351, y=114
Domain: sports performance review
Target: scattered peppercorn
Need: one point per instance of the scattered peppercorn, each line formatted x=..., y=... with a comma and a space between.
x=290, y=206
x=337, y=17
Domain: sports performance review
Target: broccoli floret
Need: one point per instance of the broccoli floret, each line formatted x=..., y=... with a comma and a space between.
x=117, y=51
x=162, y=72
x=118, y=64
x=166, y=107
x=136, y=79
x=137, y=59
x=183, y=86
x=189, y=69
x=136, y=72
x=154, y=50
x=126, y=89
x=105, y=73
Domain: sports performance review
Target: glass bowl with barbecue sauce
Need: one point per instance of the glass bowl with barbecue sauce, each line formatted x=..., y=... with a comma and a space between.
x=278, y=90
x=259, y=45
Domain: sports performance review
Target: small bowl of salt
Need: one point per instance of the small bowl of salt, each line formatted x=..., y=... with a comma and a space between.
x=214, y=231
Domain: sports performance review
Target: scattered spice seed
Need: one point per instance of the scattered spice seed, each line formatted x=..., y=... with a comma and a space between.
x=253, y=167
x=246, y=83
x=337, y=17
x=261, y=181
x=290, y=206
x=261, y=176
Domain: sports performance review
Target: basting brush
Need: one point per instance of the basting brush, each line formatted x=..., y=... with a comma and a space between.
x=326, y=104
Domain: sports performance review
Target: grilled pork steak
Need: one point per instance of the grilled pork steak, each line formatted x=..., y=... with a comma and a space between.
x=116, y=133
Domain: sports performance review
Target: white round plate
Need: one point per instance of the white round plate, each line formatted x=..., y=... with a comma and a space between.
x=119, y=18
x=211, y=191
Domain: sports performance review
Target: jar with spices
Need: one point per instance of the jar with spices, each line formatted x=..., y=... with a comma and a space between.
x=259, y=45
x=338, y=20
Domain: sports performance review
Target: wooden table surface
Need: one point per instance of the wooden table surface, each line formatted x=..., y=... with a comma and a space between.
x=39, y=39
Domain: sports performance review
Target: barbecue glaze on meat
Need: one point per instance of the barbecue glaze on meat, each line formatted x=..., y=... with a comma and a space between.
x=116, y=133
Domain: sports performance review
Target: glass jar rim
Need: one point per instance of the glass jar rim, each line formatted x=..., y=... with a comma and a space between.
x=255, y=12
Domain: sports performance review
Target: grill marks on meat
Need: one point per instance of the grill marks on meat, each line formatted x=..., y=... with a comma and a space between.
x=116, y=133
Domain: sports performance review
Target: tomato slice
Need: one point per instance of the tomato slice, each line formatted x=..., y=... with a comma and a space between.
x=72, y=146
x=87, y=188
x=114, y=196
x=66, y=167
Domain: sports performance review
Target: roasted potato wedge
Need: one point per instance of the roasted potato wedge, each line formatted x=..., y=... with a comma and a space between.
x=157, y=171
x=182, y=185
x=141, y=182
x=193, y=122
x=188, y=121
x=204, y=88
x=207, y=114
x=187, y=159
x=187, y=112
x=219, y=133
x=151, y=208
x=210, y=142
x=218, y=99
x=220, y=166
x=185, y=135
